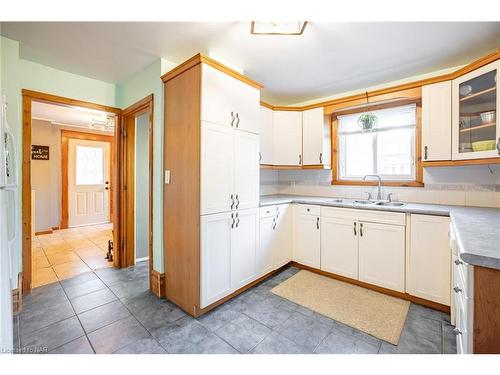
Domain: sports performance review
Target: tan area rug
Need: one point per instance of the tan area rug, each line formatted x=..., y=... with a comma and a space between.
x=375, y=313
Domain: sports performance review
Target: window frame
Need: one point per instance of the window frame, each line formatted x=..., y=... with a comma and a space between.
x=417, y=182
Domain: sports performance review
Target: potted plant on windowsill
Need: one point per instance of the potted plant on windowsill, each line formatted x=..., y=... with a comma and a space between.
x=367, y=122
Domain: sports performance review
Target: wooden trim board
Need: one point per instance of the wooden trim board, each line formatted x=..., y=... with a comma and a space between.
x=452, y=163
x=71, y=134
x=158, y=284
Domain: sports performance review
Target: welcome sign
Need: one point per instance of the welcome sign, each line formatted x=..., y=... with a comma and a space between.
x=39, y=152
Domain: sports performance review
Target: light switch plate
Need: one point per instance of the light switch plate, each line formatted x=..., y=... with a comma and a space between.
x=167, y=177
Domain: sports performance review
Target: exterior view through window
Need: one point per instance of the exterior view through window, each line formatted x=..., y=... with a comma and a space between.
x=89, y=165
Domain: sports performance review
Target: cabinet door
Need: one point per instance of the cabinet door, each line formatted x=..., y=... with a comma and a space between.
x=307, y=241
x=216, y=99
x=436, y=121
x=382, y=255
x=267, y=243
x=266, y=135
x=429, y=259
x=217, y=168
x=475, y=123
x=244, y=247
x=246, y=169
x=216, y=235
x=339, y=246
x=287, y=138
x=312, y=136
x=283, y=247
x=246, y=101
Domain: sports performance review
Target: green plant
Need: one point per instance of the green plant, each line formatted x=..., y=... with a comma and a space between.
x=367, y=121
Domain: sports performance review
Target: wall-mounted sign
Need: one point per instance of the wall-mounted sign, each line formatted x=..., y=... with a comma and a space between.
x=39, y=152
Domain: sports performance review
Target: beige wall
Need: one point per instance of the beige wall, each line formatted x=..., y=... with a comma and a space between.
x=46, y=174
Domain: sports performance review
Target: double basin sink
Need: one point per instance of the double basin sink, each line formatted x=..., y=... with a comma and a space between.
x=366, y=202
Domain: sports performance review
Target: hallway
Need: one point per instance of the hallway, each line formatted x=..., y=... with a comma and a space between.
x=69, y=252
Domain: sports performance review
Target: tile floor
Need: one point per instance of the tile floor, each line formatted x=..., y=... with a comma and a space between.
x=111, y=311
x=69, y=252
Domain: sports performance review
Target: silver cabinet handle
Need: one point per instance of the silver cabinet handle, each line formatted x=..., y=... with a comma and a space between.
x=361, y=229
x=274, y=223
x=425, y=152
x=300, y=159
x=260, y=156
x=457, y=332
x=317, y=223
x=232, y=201
x=458, y=262
x=355, y=232
x=321, y=158
x=232, y=119
x=232, y=217
x=237, y=118
x=237, y=201
x=457, y=289
x=237, y=218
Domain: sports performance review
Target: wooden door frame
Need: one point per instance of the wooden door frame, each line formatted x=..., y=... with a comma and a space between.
x=66, y=135
x=128, y=117
x=28, y=97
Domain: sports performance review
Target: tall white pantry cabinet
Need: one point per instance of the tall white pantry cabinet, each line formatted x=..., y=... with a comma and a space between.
x=211, y=191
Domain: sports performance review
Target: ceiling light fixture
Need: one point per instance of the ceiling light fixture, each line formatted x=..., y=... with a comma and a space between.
x=278, y=28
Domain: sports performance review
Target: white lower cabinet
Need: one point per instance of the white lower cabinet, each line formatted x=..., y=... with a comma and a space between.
x=382, y=255
x=429, y=259
x=339, y=246
x=284, y=235
x=307, y=236
x=229, y=243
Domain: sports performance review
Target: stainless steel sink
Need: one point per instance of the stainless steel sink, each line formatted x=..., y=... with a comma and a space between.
x=390, y=204
x=336, y=201
x=363, y=201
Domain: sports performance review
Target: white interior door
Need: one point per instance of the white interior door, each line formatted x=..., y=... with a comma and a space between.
x=88, y=182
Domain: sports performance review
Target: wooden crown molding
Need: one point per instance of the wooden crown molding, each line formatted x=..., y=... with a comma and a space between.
x=200, y=58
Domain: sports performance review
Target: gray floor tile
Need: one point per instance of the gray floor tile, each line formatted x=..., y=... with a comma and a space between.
x=304, y=331
x=92, y=300
x=338, y=342
x=425, y=312
x=429, y=329
x=44, y=296
x=79, y=346
x=449, y=339
x=180, y=335
x=77, y=280
x=275, y=343
x=103, y=315
x=117, y=335
x=152, y=311
x=53, y=336
x=243, y=333
x=219, y=317
x=268, y=314
x=411, y=344
x=211, y=344
x=142, y=346
x=130, y=288
x=74, y=290
x=366, y=337
x=34, y=318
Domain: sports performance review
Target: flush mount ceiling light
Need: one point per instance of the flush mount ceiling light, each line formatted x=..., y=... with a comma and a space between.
x=278, y=28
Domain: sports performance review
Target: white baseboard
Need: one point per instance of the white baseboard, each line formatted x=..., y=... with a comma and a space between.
x=138, y=260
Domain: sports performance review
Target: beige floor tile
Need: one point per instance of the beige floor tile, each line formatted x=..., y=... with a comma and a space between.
x=70, y=269
x=43, y=276
x=62, y=257
x=37, y=251
x=56, y=249
x=90, y=252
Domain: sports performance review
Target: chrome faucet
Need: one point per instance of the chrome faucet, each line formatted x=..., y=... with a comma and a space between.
x=379, y=193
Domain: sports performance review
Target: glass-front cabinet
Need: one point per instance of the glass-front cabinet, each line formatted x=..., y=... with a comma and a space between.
x=475, y=124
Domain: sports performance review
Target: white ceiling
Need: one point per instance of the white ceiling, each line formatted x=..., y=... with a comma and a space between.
x=67, y=115
x=329, y=58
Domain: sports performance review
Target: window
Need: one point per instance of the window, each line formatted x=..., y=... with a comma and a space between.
x=89, y=165
x=387, y=150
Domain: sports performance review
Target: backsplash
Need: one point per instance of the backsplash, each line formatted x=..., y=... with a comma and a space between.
x=465, y=186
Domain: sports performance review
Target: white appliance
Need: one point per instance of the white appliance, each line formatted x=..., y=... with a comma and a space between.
x=8, y=221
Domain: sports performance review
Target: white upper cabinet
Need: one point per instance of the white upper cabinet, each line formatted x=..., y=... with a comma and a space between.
x=287, y=138
x=315, y=138
x=475, y=123
x=245, y=240
x=266, y=135
x=436, y=121
x=339, y=246
x=217, y=168
x=429, y=259
x=228, y=101
x=382, y=255
x=246, y=170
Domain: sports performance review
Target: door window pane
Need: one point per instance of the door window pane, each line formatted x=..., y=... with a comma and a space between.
x=89, y=165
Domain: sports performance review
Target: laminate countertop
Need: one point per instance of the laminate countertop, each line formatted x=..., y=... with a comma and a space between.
x=477, y=229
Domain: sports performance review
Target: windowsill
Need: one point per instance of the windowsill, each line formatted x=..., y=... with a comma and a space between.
x=375, y=183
